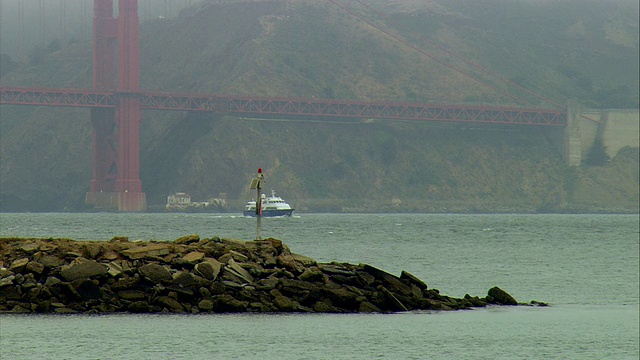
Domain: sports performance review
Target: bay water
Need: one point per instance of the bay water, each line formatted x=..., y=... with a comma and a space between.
x=585, y=266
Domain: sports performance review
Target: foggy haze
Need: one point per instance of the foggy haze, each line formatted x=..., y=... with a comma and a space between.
x=28, y=23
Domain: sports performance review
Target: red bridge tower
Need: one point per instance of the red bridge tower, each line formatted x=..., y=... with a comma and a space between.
x=116, y=181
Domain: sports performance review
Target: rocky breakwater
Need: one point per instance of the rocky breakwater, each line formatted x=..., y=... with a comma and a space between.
x=194, y=275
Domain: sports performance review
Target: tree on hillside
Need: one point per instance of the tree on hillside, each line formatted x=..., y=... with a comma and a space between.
x=7, y=64
x=597, y=155
x=39, y=52
x=620, y=97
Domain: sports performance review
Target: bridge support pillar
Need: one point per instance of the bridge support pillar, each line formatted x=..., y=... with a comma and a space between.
x=571, y=138
x=104, y=150
x=128, y=186
x=116, y=181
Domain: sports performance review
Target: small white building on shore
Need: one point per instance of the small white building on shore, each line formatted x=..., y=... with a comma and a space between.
x=182, y=201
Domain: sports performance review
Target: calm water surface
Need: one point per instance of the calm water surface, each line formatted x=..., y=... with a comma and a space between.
x=585, y=266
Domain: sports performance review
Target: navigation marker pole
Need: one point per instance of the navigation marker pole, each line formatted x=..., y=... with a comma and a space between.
x=255, y=184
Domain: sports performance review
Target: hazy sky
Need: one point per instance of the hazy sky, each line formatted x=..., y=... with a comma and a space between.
x=28, y=23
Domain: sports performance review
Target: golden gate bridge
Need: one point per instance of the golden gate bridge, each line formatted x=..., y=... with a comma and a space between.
x=116, y=104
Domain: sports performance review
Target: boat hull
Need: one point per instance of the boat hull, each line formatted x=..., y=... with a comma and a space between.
x=270, y=213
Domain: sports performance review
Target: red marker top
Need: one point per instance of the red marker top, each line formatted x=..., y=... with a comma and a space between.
x=259, y=170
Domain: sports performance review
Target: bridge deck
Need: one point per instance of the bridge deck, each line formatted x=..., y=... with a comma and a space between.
x=283, y=107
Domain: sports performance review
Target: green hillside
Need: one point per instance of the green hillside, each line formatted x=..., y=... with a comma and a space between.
x=496, y=52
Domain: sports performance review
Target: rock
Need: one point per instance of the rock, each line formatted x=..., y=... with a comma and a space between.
x=288, y=262
x=367, y=307
x=139, y=307
x=10, y=292
x=4, y=272
x=283, y=303
x=114, y=270
x=239, y=271
x=29, y=282
x=397, y=305
x=125, y=283
x=495, y=295
x=228, y=241
x=193, y=257
x=88, y=289
x=19, y=309
x=207, y=269
x=341, y=296
x=83, y=268
x=34, y=267
x=30, y=247
x=119, y=239
x=206, y=305
x=144, y=251
x=312, y=274
x=132, y=295
x=294, y=286
x=170, y=304
x=186, y=240
x=17, y=265
x=538, y=303
x=325, y=306
x=65, y=310
x=475, y=301
x=51, y=281
x=391, y=282
x=394, y=284
x=404, y=275
x=155, y=273
x=204, y=292
x=366, y=278
x=43, y=307
x=238, y=256
x=275, y=243
x=50, y=261
x=304, y=260
x=7, y=281
x=184, y=279
x=72, y=255
x=111, y=255
x=335, y=269
x=92, y=250
x=227, y=303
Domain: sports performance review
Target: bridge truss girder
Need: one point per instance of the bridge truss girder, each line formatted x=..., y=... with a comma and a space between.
x=274, y=107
